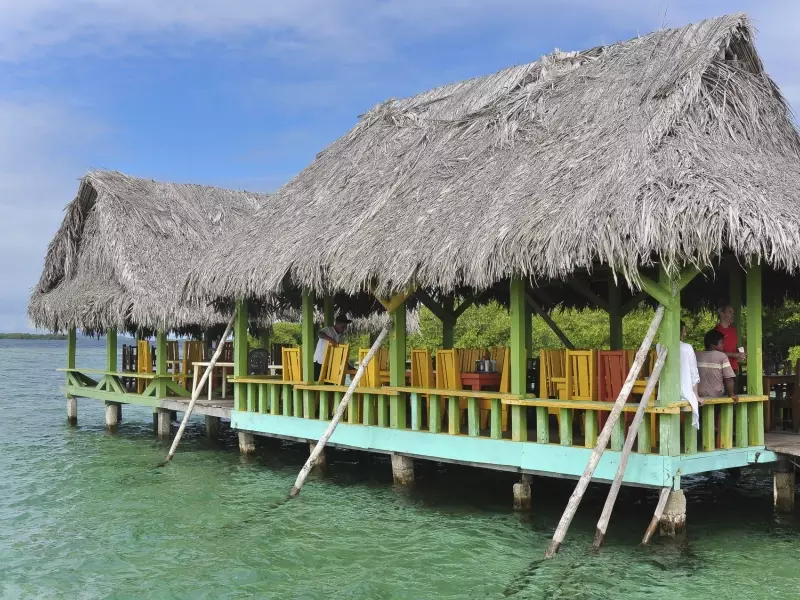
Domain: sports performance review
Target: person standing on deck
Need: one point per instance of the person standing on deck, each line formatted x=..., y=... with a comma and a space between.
x=716, y=374
x=329, y=335
x=689, y=378
x=730, y=337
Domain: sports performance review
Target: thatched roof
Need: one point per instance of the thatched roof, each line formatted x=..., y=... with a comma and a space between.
x=671, y=147
x=120, y=257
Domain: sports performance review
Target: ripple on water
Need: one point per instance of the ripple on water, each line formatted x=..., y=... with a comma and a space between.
x=84, y=514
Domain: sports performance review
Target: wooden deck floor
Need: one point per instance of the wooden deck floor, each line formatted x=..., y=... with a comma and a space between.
x=216, y=407
x=787, y=443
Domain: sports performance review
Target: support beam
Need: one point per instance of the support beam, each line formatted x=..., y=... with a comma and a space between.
x=735, y=295
x=247, y=443
x=528, y=332
x=670, y=337
x=633, y=303
x=161, y=364
x=466, y=303
x=213, y=425
x=321, y=462
x=113, y=416
x=327, y=311
x=519, y=355
x=163, y=423
x=522, y=493
x=673, y=520
x=439, y=310
x=239, y=354
x=755, y=345
x=549, y=321
x=583, y=288
x=614, y=313
x=309, y=342
x=402, y=469
x=72, y=402
x=397, y=366
x=111, y=350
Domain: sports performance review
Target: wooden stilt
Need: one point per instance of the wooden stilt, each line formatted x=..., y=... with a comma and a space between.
x=602, y=524
x=337, y=416
x=662, y=502
x=602, y=439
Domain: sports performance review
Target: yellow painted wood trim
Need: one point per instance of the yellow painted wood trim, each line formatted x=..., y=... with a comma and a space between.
x=395, y=301
x=343, y=388
x=708, y=401
x=451, y=393
x=585, y=405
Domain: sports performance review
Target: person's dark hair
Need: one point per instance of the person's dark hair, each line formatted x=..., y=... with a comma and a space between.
x=683, y=324
x=712, y=338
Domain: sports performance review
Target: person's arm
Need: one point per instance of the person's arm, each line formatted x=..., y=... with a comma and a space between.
x=324, y=336
x=700, y=401
x=729, y=389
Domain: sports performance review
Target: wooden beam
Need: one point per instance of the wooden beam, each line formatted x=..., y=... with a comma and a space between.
x=686, y=276
x=550, y=323
x=466, y=303
x=655, y=291
x=633, y=303
x=72, y=344
x=111, y=350
x=755, y=349
x=448, y=324
x=395, y=301
x=614, y=313
x=308, y=339
x=327, y=310
x=239, y=353
x=585, y=289
x=543, y=295
x=437, y=309
x=519, y=357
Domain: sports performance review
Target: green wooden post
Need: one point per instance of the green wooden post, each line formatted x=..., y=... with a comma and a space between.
x=309, y=343
x=448, y=324
x=614, y=313
x=755, y=358
x=735, y=293
x=669, y=382
x=528, y=338
x=689, y=436
x=240, y=353
x=161, y=364
x=327, y=311
x=72, y=346
x=397, y=366
x=435, y=414
x=590, y=429
x=565, y=426
x=111, y=350
x=263, y=338
x=519, y=354
x=708, y=441
x=643, y=442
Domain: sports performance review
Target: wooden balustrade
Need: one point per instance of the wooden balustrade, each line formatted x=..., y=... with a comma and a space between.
x=723, y=424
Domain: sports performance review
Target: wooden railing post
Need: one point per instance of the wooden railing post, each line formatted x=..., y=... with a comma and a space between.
x=519, y=356
x=397, y=366
x=239, y=354
x=161, y=364
x=111, y=350
x=72, y=345
x=755, y=359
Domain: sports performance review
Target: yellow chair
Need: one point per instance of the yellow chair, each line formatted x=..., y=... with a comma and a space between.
x=144, y=363
x=448, y=376
x=552, y=373
x=581, y=375
x=192, y=352
x=372, y=373
x=334, y=364
x=290, y=359
x=421, y=369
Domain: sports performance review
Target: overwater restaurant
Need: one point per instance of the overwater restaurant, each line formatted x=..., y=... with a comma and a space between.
x=660, y=170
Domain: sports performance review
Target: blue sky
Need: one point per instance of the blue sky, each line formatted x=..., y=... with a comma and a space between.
x=244, y=93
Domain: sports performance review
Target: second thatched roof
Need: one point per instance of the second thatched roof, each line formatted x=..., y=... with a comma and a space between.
x=671, y=148
x=120, y=257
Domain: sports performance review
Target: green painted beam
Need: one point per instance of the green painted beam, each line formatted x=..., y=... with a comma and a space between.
x=309, y=342
x=161, y=364
x=85, y=392
x=397, y=366
x=448, y=324
x=72, y=345
x=240, y=353
x=111, y=350
x=669, y=382
x=327, y=311
x=735, y=295
x=755, y=344
x=519, y=356
x=614, y=313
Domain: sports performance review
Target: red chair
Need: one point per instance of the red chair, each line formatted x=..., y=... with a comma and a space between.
x=612, y=369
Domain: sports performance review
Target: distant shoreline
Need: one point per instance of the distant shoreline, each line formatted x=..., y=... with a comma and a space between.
x=32, y=336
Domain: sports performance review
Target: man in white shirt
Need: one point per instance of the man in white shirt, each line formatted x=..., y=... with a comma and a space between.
x=690, y=377
x=329, y=335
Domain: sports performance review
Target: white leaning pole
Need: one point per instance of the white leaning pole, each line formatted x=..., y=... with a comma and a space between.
x=337, y=416
x=197, y=389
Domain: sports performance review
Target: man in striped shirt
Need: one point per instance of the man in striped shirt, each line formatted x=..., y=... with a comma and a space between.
x=716, y=375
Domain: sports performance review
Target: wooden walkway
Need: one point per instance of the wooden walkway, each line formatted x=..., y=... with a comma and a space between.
x=216, y=407
x=786, y=443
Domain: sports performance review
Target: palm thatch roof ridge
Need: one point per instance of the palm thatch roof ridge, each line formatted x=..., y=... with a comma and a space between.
x=672, y=147
x=120, y=257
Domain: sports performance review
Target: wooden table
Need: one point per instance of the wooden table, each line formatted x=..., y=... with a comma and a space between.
x=197, y=375
x=771, y=381
x=477, y=381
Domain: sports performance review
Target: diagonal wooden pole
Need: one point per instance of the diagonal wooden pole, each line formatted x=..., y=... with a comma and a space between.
x=633, y=430
x=602, y=439
x=337, y=416
x=198, y=387
x=662, y=503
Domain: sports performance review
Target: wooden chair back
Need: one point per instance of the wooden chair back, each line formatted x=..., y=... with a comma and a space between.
x=372, y=372
x=290, y=358
x=172, y=350
x=227, y=352
x=647, y=367
x=422, y=368
x=448, y=370
x=552, y=366
x=612, y=369
x=144, y=363
x=192, y=352
x=581, y=377
x=334, y=364
x=504, y=366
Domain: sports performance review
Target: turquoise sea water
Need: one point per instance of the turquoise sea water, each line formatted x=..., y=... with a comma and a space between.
x=84, y=514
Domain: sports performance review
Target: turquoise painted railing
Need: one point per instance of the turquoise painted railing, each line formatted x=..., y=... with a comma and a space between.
x=665, y=429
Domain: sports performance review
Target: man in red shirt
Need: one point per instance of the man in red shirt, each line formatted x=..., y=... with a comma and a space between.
x=730, y=337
